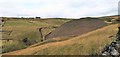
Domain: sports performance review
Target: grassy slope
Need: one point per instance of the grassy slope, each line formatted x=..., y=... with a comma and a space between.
x=86, y=44
x=25, y=29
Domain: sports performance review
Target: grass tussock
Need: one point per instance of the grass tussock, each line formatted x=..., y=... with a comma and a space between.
x=86, y=44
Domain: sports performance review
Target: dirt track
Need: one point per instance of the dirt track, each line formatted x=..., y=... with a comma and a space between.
x=77, y=27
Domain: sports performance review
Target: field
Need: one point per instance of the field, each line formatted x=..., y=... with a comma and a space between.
x=77, y=27
x=86, y=44
x=17, y=30
x=62, y=36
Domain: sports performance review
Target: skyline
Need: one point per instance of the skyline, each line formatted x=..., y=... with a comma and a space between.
x=58, y=8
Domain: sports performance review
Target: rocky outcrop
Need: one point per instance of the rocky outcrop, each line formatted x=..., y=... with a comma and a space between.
x=114, y=48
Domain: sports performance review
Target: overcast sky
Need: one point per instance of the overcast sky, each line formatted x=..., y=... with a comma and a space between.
x=58, y=8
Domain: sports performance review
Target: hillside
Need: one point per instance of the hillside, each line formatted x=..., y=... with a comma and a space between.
x=112, y=17
x=77, y=27
x=85, y=44
x=19, y=29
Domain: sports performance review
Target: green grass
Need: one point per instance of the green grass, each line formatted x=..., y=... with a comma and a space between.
x=23, y=28
x=86, y=44
x=25, y=23
x=12, y=46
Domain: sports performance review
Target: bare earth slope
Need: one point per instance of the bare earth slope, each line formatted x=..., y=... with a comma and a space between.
x=77, y=27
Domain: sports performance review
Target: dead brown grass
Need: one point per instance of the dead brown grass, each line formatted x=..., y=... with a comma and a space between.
x=86, y=44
